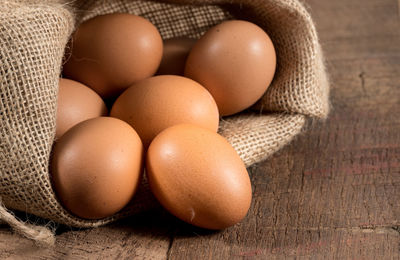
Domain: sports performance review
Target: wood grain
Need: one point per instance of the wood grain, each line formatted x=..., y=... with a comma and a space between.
x=333, y=193
x=145, y=236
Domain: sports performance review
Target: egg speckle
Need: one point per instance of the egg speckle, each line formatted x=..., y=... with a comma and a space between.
x=236, y=62
x=96, y=167
x=110, y=52
x=198, y=177
x=157, y=103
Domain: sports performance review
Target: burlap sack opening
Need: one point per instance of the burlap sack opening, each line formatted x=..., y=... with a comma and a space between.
x=33, y=35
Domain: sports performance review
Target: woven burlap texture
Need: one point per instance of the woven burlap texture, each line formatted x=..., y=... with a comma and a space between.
x=32, y=40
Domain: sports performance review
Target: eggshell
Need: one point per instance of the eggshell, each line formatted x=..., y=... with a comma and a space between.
x=76, y=103
x=198, y=177
x=157, y=103
x=96, y=167
x=110, y=52
x=236, y=62
x=176, y=51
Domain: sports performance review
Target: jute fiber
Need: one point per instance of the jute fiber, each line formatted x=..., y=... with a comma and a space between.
x=33, y=36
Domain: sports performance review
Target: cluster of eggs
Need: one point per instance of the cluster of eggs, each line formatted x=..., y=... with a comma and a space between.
x=166, y=124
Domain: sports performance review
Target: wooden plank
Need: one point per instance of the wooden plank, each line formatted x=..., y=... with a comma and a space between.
x=357, y=29
x=290, y=243
x=146, y=236
x=332, y=193
x=335, y=191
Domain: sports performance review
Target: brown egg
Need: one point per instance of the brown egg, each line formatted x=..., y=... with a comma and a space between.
x=113, y=51
x=157, y=103
x=76, y=103
x=176, y=51
x=96, y=167
x=236, y=62
x=198, y=177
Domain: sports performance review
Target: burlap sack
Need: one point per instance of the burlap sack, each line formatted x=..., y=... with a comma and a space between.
x=33, y=36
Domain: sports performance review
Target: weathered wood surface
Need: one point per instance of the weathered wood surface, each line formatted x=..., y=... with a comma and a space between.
x=332, y=193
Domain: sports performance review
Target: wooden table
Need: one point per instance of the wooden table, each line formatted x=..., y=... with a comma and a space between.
x=334, y=192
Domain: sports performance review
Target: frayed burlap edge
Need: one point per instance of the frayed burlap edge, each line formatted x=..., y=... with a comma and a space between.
x=15, y=65
x=258, y=145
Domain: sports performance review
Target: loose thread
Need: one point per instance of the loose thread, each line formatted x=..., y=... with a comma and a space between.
x=43, y=236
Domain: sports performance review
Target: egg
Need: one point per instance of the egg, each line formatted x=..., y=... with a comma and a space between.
x=175, y=54
x=76, y=103
x=96, y=167
x=198, y=177
x=157, y=103
x=236, y=62
x=110, y=52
